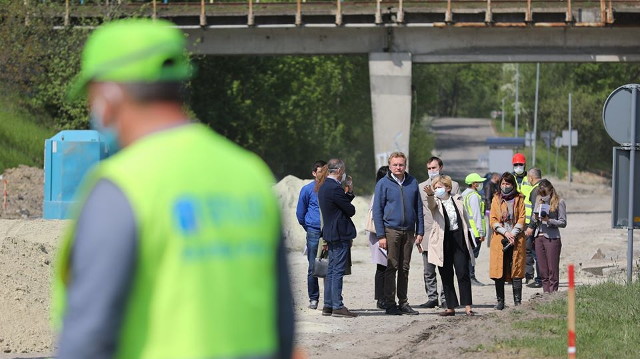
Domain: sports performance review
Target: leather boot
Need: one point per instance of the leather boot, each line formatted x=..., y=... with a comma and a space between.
x=499, y=294
x=517, y=291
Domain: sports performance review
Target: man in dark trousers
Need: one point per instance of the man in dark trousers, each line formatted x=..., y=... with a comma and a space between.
x=338, y=231
x=397, y=215
x=308, y=214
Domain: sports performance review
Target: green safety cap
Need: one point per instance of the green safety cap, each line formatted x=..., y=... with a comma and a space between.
x=473, y=178
x=133, y=51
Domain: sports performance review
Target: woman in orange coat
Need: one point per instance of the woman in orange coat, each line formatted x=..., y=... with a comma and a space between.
x=508, y=249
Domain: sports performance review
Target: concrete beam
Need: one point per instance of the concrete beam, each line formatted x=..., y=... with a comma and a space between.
x=426, y=44
x=390, y=81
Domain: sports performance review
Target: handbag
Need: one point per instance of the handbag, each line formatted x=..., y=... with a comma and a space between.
x=369, y=226
x=321, y=264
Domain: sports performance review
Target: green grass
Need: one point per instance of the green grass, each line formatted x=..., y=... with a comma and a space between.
x=545, y=159
x=21, y=137
x=607, y=324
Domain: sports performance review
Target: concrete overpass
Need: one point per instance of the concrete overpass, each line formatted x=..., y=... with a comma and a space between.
x=396, y=34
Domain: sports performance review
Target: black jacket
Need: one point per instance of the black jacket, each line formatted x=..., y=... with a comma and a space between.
x=336, y=210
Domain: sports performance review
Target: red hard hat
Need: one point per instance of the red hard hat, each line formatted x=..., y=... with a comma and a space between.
x=518, y=158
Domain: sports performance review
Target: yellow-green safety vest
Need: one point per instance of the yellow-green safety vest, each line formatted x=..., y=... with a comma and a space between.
x=467, y=205
x=208, y=227
x=528, y=206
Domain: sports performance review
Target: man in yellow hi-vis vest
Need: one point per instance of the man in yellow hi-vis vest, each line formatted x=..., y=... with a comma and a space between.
x=534, y=176
x=176, y=251
x=474, y=207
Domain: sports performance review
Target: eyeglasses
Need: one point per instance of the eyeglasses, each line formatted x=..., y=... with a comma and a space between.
x=518, y=164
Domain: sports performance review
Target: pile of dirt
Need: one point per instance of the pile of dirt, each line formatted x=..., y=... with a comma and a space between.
x=24, y=192
x=288, y=192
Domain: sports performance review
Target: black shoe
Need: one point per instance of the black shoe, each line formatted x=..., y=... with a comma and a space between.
x=393, y=310
x=381, y=304
x=327, y=311
x=429, y=304
x=406, y=309
x=534, y=285
x=500, y=305
x=476, y=282
x=313, y=304
x=344, y=313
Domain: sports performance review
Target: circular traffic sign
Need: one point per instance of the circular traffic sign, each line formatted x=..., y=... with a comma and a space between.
x=616, y=114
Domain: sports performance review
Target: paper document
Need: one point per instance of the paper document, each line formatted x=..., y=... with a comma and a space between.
x=543, y=211
x=384, y=251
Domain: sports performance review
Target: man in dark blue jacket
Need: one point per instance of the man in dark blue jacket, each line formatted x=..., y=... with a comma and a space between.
x=399, y=222
x=338, y=231
x=308, y=214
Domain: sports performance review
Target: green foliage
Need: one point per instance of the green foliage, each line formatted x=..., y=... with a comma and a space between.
x=453, y=90
x=291, y=110
x=607, y=317
x=39, y=61
x=21, y=138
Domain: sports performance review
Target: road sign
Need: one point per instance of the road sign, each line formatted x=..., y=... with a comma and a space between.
x=620, y=116
x=619, y=187
x=558, y=142
x=565, y=138
x=547, y=137
x=616, y=115
x=529, y=138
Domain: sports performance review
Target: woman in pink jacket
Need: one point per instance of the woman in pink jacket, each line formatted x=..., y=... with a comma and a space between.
x=449, y=243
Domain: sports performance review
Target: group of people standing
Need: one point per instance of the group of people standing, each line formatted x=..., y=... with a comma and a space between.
x=447, y=227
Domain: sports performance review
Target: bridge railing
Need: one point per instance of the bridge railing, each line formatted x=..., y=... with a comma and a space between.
x=454, y=12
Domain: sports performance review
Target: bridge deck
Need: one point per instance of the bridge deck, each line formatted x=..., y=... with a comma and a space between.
x=438, y=13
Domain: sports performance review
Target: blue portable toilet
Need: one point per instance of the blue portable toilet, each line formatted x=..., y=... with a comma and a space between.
x=67, y=157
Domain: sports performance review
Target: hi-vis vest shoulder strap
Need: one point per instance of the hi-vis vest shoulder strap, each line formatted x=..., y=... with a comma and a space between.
x=467, y=205
x=208, y=230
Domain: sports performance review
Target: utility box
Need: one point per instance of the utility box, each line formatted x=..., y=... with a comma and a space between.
x=67, y=157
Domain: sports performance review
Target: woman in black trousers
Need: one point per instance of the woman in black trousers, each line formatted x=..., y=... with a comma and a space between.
x=449, y=243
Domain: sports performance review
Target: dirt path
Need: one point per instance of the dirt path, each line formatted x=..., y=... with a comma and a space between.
x=375, y=335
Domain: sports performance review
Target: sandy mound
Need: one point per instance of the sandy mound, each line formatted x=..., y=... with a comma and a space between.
x=288, y=191
x=25, y=187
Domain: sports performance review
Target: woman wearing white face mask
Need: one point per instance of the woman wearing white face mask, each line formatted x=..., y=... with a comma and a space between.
x=507, y=257
x=449, y=243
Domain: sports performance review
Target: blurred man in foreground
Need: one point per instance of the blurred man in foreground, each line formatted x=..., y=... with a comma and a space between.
x=177, y=250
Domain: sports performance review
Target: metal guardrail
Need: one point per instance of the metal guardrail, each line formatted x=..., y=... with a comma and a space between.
x=605, y=8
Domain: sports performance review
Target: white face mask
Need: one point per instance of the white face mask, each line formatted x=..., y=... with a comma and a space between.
x=344, y=177
x=433, y=174
x=518, y=169
x=440, y=192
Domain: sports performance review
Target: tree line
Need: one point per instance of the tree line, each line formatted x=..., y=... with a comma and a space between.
x=292, y=110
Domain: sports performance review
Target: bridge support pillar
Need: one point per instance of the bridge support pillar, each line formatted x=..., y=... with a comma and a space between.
x=390, y=81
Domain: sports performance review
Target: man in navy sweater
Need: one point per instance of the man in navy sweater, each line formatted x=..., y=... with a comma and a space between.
x=399, y=222
x=308, y=214
x=338, y=231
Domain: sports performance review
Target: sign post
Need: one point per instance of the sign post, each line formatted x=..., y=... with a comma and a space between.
x=620, y=116
x=569, y=169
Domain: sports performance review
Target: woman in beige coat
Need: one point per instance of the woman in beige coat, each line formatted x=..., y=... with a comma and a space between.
x=508, y=249
x=449, y=243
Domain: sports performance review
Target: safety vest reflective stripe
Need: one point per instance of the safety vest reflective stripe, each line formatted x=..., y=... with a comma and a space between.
x=467, y=205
